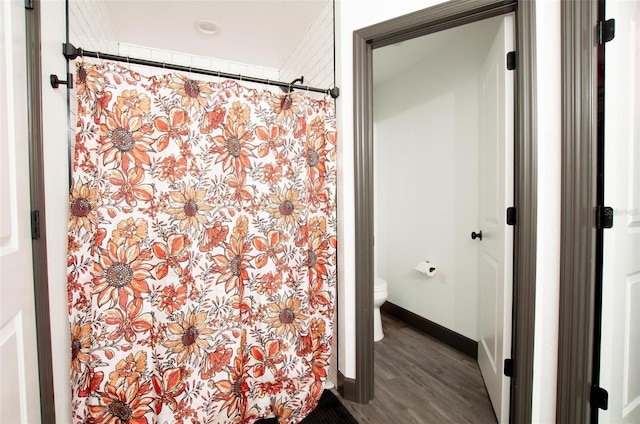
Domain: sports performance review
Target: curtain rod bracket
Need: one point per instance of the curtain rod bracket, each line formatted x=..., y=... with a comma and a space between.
x=289, y=89
x=70, y=51
x=56, y=82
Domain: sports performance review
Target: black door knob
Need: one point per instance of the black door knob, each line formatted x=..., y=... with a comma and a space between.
x=477, y=235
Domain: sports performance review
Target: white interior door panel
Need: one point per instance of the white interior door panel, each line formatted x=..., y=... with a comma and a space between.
x=496, y=194
x=620, y=361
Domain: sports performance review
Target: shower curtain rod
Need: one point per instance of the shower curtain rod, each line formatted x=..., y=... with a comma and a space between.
x=71, y=52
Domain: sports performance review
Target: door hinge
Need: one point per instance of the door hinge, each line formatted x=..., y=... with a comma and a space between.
x=511, y=61
x=604, y=217
x=35, y=225
x=28, y=4
x=606, y=31
x=508, y=367
x=599, y=398
x=511, y=215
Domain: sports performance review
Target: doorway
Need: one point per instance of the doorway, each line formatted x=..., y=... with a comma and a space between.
x=431, y=20
x=443, y=177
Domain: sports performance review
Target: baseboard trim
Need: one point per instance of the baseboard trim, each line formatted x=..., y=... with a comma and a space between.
x=347, y=387
x=455, y=340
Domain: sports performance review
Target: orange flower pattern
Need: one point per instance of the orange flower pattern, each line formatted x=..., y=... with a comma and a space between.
x=202, y=250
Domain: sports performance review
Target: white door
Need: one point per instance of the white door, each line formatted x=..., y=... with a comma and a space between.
x=496, y=194
x=20, y=401
x=620, y=365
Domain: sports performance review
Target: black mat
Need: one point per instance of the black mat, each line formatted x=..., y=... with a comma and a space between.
x=329, y=411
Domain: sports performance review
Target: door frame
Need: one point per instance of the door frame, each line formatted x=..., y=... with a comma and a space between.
x=579, y=266
x=37, y=198
x=430, y=20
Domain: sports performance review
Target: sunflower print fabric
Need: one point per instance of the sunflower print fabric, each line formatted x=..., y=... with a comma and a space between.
x=202, y=250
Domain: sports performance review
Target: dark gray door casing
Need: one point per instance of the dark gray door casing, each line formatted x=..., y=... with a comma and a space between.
x=578, y=236
x=433, y=19
x=37, y=193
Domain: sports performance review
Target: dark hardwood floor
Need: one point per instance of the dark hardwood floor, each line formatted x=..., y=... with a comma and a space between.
x=420, y=380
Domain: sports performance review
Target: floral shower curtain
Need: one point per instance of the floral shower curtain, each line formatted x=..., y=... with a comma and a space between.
x=202, y=237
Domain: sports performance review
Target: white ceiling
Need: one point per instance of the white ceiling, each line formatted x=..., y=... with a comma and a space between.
x=255, y=32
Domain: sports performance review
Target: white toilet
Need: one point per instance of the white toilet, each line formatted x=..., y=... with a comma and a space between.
x=379, y=297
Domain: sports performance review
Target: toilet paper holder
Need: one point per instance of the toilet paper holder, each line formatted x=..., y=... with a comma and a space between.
x=426, y=267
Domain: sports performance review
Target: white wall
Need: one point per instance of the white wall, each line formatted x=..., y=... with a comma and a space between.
x=178, y=58
x=90, y=27
x=355, y=14
x=313, y=56
x=426, y=137
x=55, y=141
x=545, y=358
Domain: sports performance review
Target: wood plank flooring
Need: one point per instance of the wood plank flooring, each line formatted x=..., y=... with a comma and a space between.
x=419, y=380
